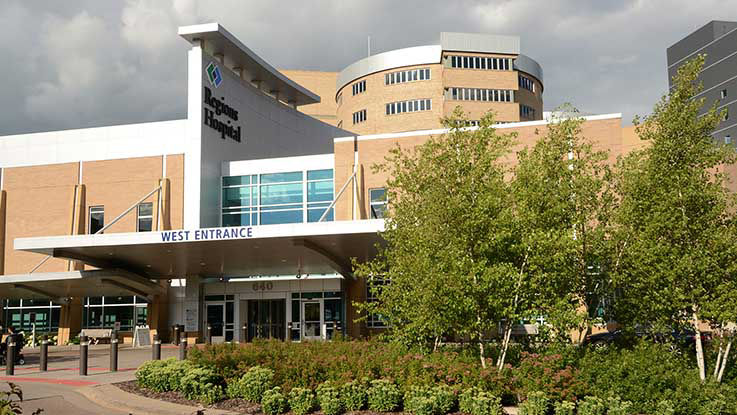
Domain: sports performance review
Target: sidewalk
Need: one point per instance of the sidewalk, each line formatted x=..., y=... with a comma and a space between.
x=61, y=390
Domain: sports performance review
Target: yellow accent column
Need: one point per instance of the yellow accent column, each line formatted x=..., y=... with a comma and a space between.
x=158, y=313
x=3, y=204
x=162, y=216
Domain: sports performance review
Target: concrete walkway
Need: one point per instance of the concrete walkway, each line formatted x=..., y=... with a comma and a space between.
x=61, y=390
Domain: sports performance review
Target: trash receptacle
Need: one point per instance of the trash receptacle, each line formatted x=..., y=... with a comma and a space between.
x=177, y=331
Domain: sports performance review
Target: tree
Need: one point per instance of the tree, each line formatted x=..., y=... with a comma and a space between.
x=447, y=236
x=473, y=241
x=674, y=252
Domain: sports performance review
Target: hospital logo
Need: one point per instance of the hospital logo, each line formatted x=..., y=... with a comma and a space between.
x=213, y=75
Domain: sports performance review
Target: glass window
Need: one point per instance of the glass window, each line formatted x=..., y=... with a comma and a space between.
x=295, y=176
x=378, y=202
x=275, y=194
x=145, y=217
x=326, y=174
x=372, y=290
x=236, y=180
x=97, y=219
x=724, y=93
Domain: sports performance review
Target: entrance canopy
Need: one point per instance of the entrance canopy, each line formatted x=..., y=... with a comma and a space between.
x=59, y=286
x=292, y=249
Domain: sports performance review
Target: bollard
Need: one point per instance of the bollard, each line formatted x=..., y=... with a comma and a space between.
x=44, y=359
x=156, y=350
x=208, y=339
x=10, y=358
x=245, y=333
x=183, y=349
x=114, y=352
x=83, y=345
x=177, y=335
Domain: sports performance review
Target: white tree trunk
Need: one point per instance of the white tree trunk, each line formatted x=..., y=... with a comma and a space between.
x=699, y=348
x=505, y=347
x=718, y=363
x=724, y=361
x=481, y=350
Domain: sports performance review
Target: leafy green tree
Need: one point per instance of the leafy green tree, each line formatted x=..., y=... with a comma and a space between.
x=473, y=241
x=674, y=254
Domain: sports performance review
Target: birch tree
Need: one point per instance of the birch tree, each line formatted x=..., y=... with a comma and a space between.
x=674, y=251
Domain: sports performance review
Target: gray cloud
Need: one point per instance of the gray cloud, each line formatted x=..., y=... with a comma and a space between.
x=87, y=63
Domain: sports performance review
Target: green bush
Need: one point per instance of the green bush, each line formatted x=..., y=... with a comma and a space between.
x=550, y=372
x=162, y=375
x=252, y=385
x=438, y=400
x=353, y=395
x=301, y=400
x=536, y=404
x=201, y=384
x=564, y=408
x=328, y=398
x=616, y=406
x=477, y=402
x=591, y=405
x=648, y=374
x=665, y=407
x=274, y=402
x=383, y=396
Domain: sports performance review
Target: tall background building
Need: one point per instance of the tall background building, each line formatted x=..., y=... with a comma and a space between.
x=412, y=88
x=718, y=41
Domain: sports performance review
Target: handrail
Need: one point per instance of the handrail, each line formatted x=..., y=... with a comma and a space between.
x=332, y=204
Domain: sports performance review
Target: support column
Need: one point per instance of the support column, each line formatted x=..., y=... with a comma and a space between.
x=162, y=216
x=158, y=313
x=355, y=290
x=3, y=205
x=193, y=309
x=70, y=320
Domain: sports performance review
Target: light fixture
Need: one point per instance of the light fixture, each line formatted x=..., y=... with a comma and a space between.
x=203, y=264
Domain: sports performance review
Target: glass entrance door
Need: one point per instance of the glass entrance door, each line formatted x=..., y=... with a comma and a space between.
x=312, y=320
x=215, y=318
x=266, y=319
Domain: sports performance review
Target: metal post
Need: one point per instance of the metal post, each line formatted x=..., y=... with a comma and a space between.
x=176, y=335
x=244, y=338
x=10, y=357
x=83, y=345
x=114, y=352
x=289, y=332
x=183, y=350
x=208, y=340
x=44, y=363
x=157, y=348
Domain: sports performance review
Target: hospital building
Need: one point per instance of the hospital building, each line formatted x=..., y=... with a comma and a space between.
x=244, y=216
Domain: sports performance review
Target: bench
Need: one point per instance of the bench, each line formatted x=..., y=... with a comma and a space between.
x=95, y=335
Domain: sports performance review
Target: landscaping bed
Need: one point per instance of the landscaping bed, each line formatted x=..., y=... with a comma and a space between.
x=235, y=405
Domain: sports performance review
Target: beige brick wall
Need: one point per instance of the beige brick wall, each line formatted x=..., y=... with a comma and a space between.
x=40, y=200
x=603, y=134
x=322, y=84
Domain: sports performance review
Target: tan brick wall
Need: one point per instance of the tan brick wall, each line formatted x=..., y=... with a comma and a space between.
x=40, y=200
x=39, y=203
x=603, y=134
x=322, y=84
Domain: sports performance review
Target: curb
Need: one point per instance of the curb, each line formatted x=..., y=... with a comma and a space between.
x=112, y=397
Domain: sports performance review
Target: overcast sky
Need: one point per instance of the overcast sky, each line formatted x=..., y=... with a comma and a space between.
x=71, y=64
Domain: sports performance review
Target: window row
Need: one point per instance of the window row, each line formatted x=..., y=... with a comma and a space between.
x=373, y=290
x=275, y=198
x=359, y=116
x=480, y=94
x=526, y=83
x=413, y=105
x=144, y=218
x=104, y=312
x=479, y=62
x=359, y=87
x=407, y=76
x=526, y=112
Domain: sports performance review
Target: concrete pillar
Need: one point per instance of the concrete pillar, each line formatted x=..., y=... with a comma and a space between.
x=163, y=222
x=355, y=290
x=78, y=220
x=70, y=320
x=158, y=313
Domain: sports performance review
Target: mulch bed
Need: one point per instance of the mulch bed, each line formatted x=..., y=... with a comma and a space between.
x=233, y=405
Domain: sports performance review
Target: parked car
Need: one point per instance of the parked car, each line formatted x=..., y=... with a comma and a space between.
x=676, y=338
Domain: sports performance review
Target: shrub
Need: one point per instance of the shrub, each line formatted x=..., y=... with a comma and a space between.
x=201, y=384
x=551, y=373
x=301, y=400
x=383, y=396
x=162, y=375
x=436, y=400
x=616, y=406
x=564, y=408
x=328, y=398
x=353, y=395
x=252, y=385
x=274, y=402
x=665, y=407
x=476, y=402
x=591, y=405
x=536, y=404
